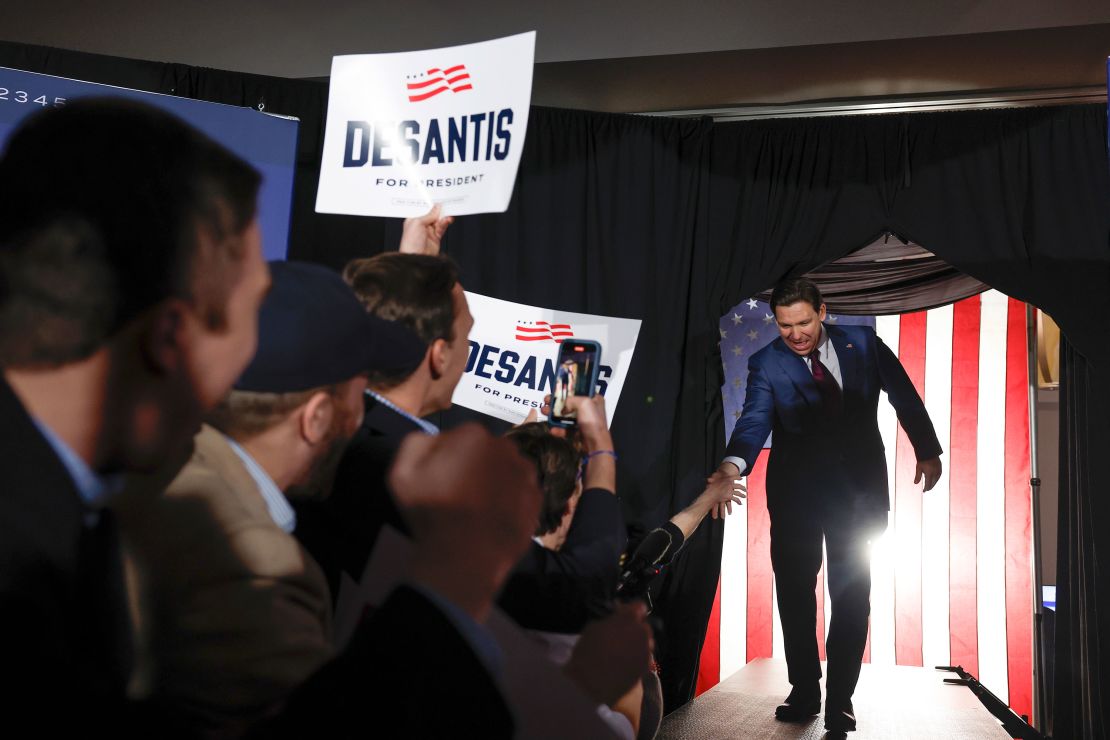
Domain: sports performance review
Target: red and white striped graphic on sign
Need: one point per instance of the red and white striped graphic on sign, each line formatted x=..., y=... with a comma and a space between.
x=952, y=575
x=436, y=80
x=540, y=331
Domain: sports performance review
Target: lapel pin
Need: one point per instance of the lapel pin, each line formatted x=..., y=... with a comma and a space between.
x=849, y=346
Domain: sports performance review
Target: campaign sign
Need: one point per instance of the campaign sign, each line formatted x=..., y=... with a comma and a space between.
x=411, y=129
x=513, y=348
x=268, y=142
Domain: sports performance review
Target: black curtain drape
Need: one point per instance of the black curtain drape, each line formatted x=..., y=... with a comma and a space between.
x=1081, y=694
x=889, y=276
x=674, y=221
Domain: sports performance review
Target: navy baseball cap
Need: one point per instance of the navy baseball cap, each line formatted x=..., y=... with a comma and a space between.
x=312, y=332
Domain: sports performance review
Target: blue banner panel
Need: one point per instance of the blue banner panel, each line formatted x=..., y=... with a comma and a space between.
x=268, y=142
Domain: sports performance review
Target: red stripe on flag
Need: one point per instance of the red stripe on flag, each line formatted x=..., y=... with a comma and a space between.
x=907, y=510
x=709, y=666
x=821, y=613
x=963, y=479
x=424, y=83
x=1019, y=559
x=425, y=96
x=760, y=576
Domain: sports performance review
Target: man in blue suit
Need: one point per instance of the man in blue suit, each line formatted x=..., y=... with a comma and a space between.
x=816, y=388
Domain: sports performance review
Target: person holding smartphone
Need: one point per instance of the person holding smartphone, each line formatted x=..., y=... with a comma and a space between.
x=561, y=590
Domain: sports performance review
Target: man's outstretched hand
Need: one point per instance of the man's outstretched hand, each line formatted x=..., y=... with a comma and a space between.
x=725, y=487
x=422, y=235
x=929, y=470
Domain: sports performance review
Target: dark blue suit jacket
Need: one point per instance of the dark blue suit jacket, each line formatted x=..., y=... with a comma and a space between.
x=816, y=459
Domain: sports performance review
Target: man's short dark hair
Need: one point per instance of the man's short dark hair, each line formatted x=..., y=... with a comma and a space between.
x=794, y=291
x=413, y=289
x=556, y=465
x=109, y=207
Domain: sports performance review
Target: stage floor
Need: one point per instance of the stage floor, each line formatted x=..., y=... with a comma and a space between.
x=892, y=703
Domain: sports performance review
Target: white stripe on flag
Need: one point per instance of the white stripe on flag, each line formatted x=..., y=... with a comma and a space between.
x=935, y=636
x=777, y=650
x=882, y=553
x=991, y=496
x=734, y=593
x=825, y=583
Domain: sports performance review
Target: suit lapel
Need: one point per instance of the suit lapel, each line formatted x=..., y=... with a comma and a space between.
x=848, y=355
x=796, y=369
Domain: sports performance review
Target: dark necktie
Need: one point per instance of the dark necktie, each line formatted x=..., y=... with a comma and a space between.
x=831, y=399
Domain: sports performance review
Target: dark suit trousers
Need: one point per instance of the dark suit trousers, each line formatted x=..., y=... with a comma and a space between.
x=796, y=538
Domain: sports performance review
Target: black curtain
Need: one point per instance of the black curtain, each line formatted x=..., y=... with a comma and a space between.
x=889, y=276
x=1081, y=694
x=674, y=221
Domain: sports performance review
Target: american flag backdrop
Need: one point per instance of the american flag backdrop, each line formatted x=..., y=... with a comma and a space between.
x=952, y=575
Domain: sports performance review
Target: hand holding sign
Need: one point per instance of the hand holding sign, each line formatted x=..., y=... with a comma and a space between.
x=422, y=235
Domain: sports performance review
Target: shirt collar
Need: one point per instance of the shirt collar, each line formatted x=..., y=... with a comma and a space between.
x=276, y=503
x=823, y=342
x=94, y=489
x=426, y=426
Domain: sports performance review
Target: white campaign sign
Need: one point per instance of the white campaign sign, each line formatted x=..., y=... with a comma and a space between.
x=407, y=130
x=513, y=347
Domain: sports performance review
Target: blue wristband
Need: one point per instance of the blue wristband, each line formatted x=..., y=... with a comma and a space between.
x=595, y=453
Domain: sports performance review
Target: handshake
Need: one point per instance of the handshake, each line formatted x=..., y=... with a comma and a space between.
x=724, y=488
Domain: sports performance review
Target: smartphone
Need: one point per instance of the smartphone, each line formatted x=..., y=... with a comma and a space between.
x=576, y=372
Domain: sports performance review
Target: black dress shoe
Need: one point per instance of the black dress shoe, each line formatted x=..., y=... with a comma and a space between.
x=799, y=706
x=840, y=717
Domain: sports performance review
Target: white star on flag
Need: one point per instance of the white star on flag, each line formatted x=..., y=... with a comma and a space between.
x=752, y=304
x=737, y=319
x=768, y=319
x=753, y=334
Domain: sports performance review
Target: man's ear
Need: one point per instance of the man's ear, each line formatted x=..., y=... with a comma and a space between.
x=316, y=417
x=822, y=313
x=438, y=355
x=162, y=337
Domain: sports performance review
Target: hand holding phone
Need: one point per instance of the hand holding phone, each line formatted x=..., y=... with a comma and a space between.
x=576, y=373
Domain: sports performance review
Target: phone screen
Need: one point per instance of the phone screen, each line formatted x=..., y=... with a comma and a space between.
x=575, y=375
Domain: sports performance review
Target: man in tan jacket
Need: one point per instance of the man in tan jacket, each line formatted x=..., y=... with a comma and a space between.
x=232, y=612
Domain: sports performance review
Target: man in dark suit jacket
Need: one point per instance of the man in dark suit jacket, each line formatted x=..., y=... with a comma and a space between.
x=423, y=293
x=112, y=347
x=817, y=389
